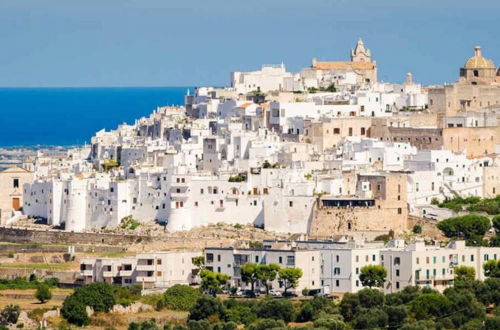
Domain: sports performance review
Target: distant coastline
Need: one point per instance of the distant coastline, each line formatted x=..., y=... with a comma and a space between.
x=69, y=116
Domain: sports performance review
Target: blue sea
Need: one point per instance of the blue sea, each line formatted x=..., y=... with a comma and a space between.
x=70, y=116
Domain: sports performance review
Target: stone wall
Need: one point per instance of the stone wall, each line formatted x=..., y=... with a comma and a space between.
x=22, y=235
x=332, y=221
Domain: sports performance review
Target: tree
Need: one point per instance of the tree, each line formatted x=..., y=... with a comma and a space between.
x=199, y=262
x=265, y=324
x=99, y=296
x=74, y=311
x=290, y=277
x=181, y=297
x=249, y=274
x=43, y=293
x=465, y=273
x=371, y=319
x=212, y=282
x=469, y=227
x=278, y=309
x=430, y=306
x=417, y=229
x=267, y=274
x=373, y=275
x=11, y=313
x=492, y=268
x=207, y=307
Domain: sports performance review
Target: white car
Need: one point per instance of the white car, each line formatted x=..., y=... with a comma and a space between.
x=275, y=293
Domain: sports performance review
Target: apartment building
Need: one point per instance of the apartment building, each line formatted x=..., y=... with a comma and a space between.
x=151, y=270
x=432, y=266
x=229, y=261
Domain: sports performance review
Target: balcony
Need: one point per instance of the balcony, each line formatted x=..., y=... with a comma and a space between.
x=145, y=278
x=125, y=273
x=87, y=272
x=147, y=268
x=179, y=195
x=107, y=274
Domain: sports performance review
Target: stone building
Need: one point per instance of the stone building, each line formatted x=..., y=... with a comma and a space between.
x=478, y=87
x=361, y=64
x=378, y=205
x=12, y=180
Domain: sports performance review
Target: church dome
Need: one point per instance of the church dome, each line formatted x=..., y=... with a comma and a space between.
x=478, y=61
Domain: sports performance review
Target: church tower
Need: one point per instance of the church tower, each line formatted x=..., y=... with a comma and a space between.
x=360, y=54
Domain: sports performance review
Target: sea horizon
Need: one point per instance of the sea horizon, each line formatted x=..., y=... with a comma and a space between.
x=70, y=116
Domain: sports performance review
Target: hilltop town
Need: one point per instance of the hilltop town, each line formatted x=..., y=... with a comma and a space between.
x=327, y=170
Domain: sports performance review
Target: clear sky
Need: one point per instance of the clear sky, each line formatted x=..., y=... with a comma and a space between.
x=198, y=42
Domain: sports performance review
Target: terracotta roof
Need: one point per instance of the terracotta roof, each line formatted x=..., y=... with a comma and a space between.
x=343, y=66
x=15, y=169
x=245, y=105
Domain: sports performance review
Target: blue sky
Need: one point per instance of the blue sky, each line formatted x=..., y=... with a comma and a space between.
x=198, y=42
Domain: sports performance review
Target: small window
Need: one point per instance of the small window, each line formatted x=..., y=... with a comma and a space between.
x=15, y=183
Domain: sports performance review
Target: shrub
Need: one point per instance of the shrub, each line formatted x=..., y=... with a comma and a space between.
x=74, y=311
x=11, y=313
x=43, y=293
x=206, y=307
x=181, y=297
x=278, y=309
x=417, y=229
x=265, y=324
x=333, y=322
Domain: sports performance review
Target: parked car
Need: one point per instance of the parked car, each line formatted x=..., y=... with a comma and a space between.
x=289, y=294
x=275, y=293
x=251, y=294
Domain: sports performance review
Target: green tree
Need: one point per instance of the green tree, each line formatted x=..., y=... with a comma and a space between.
x=469, y=227
x=278, y=309
x=212, y=282
x=430, y=306
x=205, y=307
x=267, y=274
x=371, y=319
x=465, y=273
x=464, y=306
x=199, y=262
x=290, y=277
x=181, y=297
x=330, y=322
x=43, y=293
x=417, y=229
x=249, y=274
x=373, y=275
x=492, y=268
x=265, y=324
x=11, y=313
x=74, y=311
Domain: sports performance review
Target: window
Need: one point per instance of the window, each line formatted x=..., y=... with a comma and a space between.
x=218, y=258
x=357, y=270
x=397, y=285
x=357, y=283
x=471, y=257
x=158, y=261
x=15, y=183
x=336, y=270
x=290, y=203
x=210, y=257
x=486, y=257
x=337, y=283
x=256, y=259
x=336, y=131
x=290, y=260
x=397, y=261
x=397, y=272
x=400, y=210
x=158, y=273
x=280, y=260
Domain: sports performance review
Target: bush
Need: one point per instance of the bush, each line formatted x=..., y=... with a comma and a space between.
x=181, y=297
x=205, y=307
x=43, y=293
x=11, y=313
x=333, y=322
x=278, y=309
x=99, y=296
x=417, y=229
x=74, y=311
x=265, y=324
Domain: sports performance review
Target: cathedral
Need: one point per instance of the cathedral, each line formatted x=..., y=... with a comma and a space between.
x=361, y=64
x=477, y=89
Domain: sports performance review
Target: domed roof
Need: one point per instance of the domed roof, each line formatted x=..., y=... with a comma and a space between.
x=478, y=61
